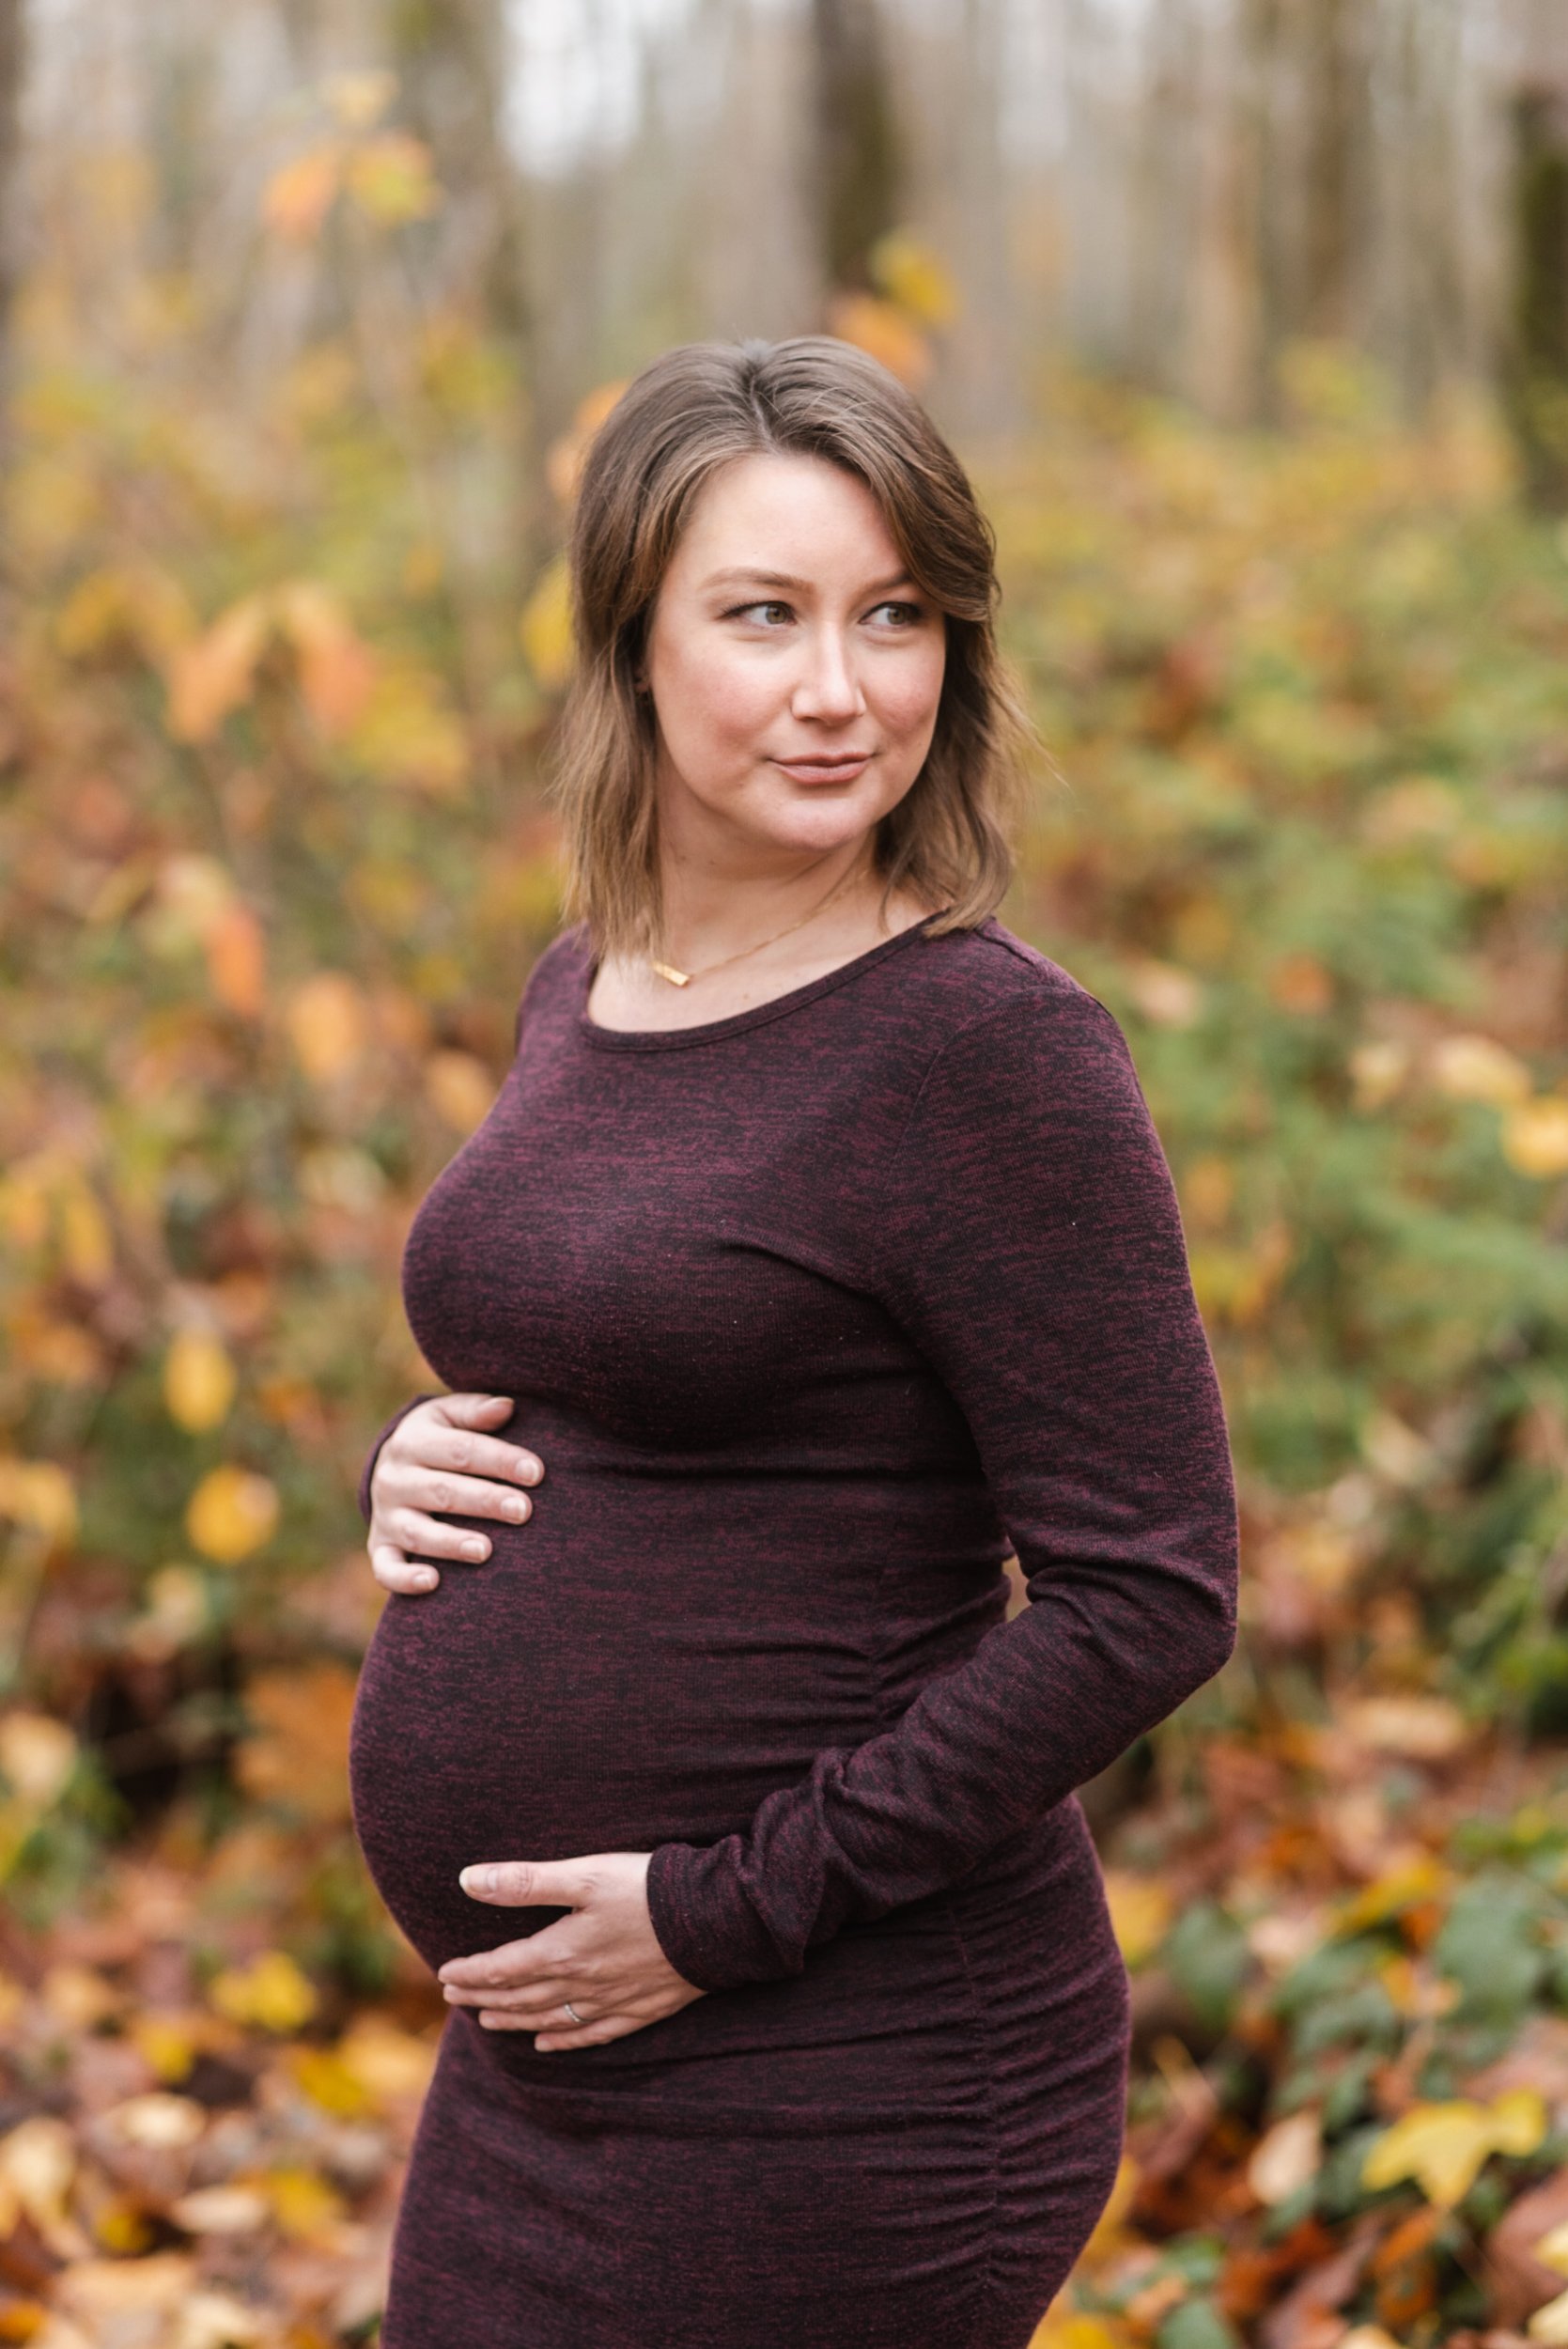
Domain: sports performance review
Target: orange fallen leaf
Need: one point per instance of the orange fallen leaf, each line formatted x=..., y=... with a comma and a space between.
x=299, y=197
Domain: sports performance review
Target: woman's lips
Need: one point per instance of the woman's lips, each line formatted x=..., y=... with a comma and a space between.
x=824, y=770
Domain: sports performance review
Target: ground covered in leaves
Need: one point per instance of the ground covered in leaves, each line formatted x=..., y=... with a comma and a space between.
x=200, y=2148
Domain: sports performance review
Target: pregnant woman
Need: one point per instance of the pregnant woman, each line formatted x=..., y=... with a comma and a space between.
x=817, y=1252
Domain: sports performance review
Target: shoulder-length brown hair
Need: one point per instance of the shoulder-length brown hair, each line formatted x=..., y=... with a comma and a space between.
x=695, y=408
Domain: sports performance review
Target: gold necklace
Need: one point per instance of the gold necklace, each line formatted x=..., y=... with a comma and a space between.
x=684, y=978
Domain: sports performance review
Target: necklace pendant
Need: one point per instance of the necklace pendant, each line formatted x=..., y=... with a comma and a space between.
x=668, y=970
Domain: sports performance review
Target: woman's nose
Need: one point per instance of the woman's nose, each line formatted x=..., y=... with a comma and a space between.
x=828, y=687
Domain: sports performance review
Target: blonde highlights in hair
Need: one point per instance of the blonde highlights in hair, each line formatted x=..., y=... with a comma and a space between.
x=694, y=409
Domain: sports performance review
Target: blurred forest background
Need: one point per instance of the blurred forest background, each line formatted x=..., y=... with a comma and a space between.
x=1250, y=318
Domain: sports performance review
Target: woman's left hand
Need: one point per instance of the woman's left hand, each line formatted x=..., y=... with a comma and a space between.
x=605, y=1958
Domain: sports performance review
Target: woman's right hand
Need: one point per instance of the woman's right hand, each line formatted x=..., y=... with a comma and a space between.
x=439, y=1456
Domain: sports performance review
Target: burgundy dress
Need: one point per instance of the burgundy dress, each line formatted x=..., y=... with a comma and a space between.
x=811, y=1314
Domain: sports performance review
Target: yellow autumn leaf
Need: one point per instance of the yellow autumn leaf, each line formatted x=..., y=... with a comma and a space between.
x=122, y=2227
x=297, y=1753
x=175, y=1613
x=884, y=332
x=1396, y=1450
x=460, y=1088
x=210, y=678
x=140, y=606
x=1378, y=1069
x=337, y=669
x=339, y=1176
x=911, y=274
x=39, y=1494
x=329, y=2082
x=1474, y=1069
x=390, y=178
x=114, y=2297
x=360, y=100
x=565, y=456
x=193, y=893
x=1071, y=2331
x=199, y=1379
x=38, y=2164
x=545, y=628
x=1551, y=2249
x=158, y=2121
x=299, y=197
x=232, y=1511
x=94, y=615
x=78, y=1996
x=1521, y=2120
x=327, y=1025
x=1535, y=1137
x=1209, y=1192
x=221, y=2210
x=270, y=1991
x=165, y=2043
x=1419, y=808
x=305, y=2204
x=25, y=1191
x=408, y=733
x=38, y=1756
x=1414, y=1883
x=1165, y=993
x=237, y=961
x=86, y=1244
x=390, y=2063
x=1287, y=2159
x=216, y=2320
x=1550, y=2322
x=1141, y=1913
x=1444, y=2146
x=1423, y=1729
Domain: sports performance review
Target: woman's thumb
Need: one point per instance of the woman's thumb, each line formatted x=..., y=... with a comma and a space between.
x=466, y=1407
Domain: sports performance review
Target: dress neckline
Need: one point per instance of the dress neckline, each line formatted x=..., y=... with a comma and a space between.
x=715, y=1030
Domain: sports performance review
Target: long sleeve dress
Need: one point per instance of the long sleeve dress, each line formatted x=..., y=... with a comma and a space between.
x=813, y=1314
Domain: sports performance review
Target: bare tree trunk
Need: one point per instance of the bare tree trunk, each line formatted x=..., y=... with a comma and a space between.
x=1338, y=129
x=1164, y=180
x=1537, y=362
x=10, y=177
x=451, y=61
x=858, y=161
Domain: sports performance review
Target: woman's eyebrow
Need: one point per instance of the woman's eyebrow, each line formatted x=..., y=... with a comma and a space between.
x=788, y=579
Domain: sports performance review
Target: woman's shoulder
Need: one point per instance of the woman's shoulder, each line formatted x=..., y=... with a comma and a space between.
x=554, y=973
x=967, y=980
x=1017, y=1050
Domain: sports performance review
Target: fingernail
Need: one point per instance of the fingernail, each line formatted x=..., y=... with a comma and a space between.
x=529, y=1471
x=426, y=1581
x=479, y=1879
x=475, y=1548
x=516, y=1506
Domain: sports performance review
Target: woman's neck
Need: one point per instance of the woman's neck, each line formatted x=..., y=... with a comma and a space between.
x=722, y=945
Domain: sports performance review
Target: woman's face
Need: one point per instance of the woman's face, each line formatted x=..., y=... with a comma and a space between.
x=795, y=668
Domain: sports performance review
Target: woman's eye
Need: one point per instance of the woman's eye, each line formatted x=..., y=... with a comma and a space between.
x=906, y=615
x=744, y=610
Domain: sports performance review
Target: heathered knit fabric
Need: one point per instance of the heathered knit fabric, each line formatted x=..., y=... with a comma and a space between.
x=810, y=1312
